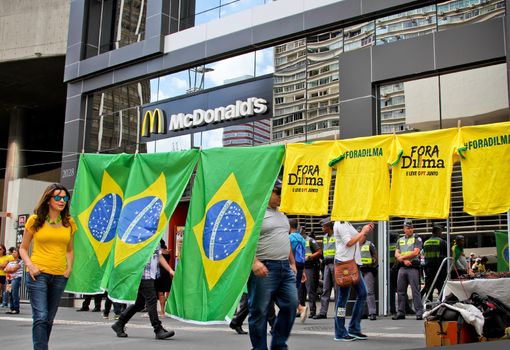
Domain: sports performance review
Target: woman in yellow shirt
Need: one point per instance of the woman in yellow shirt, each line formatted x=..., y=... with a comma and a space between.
x=4, y=260
x=51, y=230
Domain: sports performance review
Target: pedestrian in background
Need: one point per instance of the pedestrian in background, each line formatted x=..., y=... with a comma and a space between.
x=369, y=269
x=298, y=246
x=313, y=253
x=348, y=248
x=15, y=270
x=273, y=278
x=51, y=230
x=460, y=263
x=328, y=275
x=4, y=260
x=164, y=281
x=146, y=297
x=86, y=302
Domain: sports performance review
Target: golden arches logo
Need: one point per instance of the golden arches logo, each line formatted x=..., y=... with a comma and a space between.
x=154, y=122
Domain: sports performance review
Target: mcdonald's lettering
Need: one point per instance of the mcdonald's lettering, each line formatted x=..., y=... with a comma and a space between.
x=154, y=122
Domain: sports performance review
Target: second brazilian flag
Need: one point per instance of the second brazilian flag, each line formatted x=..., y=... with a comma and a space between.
x=228, y=202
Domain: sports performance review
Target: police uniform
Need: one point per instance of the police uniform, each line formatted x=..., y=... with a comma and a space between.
x=393, y=276
x=311, y=269
x=369, y=270
x=409, y=275
x=434, y=251
x=328, y=277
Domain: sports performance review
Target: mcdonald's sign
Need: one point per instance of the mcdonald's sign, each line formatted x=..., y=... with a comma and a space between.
x=154, y=122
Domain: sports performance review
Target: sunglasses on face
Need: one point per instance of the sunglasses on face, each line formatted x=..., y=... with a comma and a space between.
x=58, y=198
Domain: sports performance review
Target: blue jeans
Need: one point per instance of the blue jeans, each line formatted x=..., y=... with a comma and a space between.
x=278, y=286
x=15, y=285
x=357, y=311
x=45, y=293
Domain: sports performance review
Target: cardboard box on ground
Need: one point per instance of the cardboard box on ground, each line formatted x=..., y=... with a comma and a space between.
x=449, y=333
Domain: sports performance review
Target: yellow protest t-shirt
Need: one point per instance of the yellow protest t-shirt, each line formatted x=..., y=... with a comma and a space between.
x=50, y=246
x=421, y=173
x=362, y=186
x=486, y=168
x=306, y=178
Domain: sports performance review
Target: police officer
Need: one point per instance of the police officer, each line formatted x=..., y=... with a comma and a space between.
x=434, y=251
x=328, y=277
x=313, y=253
x=407, y=252
x=369, y=270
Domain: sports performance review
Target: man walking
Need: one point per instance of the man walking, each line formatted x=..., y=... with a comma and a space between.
x=146, y=297
x=328, y=277
x=273, y=279
x=407, y=253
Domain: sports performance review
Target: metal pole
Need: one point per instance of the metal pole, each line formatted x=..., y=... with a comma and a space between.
x=383, y=268
x=448, y=245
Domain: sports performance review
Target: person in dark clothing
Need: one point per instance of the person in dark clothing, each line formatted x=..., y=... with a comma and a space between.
x=434, y=251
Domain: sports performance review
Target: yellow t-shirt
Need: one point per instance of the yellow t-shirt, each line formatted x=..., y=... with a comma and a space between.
x=486, y=168
x=50, y=246
x=3, y=259
x=421, y=173
x=306, y=178
x=362, y=186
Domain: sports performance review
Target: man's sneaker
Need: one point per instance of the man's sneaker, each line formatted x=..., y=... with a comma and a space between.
x=398, y=317
x=96, y=309
x=346, y=338
x=105, y=315
x=116, y=317
x=119, y=329
x=163, y=333
x=359, y=336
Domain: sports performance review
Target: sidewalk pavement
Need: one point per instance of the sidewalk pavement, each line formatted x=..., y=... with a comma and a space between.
x=88, y=330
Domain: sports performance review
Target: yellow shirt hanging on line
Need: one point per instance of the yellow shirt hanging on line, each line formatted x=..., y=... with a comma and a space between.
x=362, y=186
x=486, y=168
x=421, y=173
x=306, y=178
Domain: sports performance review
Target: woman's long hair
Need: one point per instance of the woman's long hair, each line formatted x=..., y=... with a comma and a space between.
x=4, y=250
x=42, y=209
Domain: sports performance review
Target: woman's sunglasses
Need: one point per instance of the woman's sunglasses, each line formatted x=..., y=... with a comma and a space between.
x=58, y=198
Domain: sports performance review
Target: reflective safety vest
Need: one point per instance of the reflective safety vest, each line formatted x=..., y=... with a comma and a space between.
x=308, y=250
x=366, y=256
x=392, y=248
x=407, y=247
x=432, y=248
x=328, y=249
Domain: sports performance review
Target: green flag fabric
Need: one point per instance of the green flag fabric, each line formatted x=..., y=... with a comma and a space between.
x=96, y=206
x=123, y=206
x=502, y=249
x=229, y=198
x=155, y=186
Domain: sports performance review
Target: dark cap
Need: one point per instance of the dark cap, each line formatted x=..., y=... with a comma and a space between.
x=278, y=184
x=408, y=223
x=459, y=238
x=325, y=221
x=437, y=229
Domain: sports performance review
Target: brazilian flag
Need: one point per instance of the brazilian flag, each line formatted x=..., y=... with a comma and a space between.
x=502, y=248
x=228, y=202
x=155, y=186
x=96, y=207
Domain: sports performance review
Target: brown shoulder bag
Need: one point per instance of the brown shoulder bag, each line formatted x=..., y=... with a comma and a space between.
x=347, y=272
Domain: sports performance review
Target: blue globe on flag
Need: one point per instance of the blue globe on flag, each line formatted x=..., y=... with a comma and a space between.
x=224, y=229
x=104, y=217
x=140, y=219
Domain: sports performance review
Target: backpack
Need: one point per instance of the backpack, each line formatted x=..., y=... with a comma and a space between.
x=299, y=251
x=495, y=313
